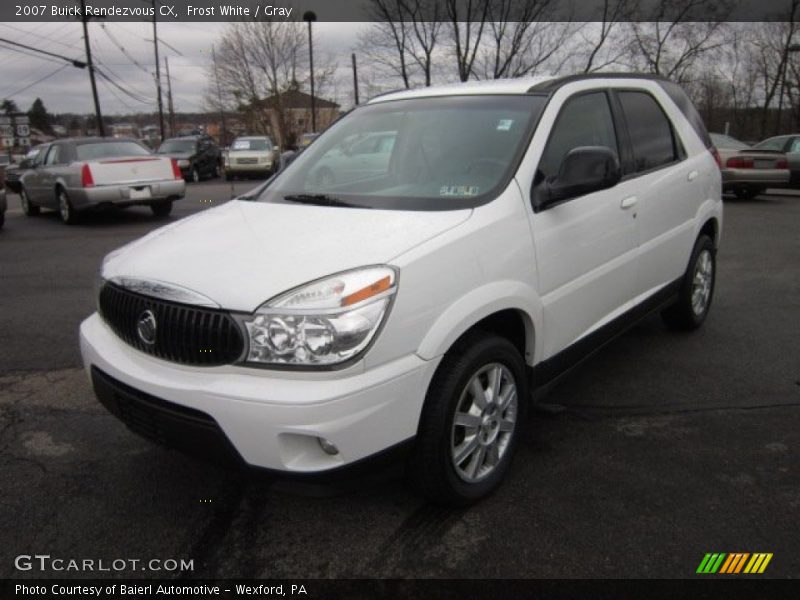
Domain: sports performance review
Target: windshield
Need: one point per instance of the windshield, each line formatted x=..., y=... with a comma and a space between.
x=418, y=154
x=725, y=141
x=97, y=150
x=171, y=146
x=252, y=144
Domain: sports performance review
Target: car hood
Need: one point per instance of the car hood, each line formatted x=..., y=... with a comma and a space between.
x=242, y=253
x=177, y=155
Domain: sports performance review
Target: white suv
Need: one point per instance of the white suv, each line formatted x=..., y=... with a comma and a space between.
x=515, y=226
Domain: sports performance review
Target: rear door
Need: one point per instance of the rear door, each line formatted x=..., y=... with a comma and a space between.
x=586, y=246
x=670, y=187
x=36, y=180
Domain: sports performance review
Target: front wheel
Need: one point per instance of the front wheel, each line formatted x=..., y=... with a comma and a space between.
x=194, y=174
x=697, y=289
x=470, y=422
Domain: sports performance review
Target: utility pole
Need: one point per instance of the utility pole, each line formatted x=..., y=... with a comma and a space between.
x=158, y=72
x=98, y=115
x=224, y=140
x=170, y=107
x=355, y=77
x=310, y=17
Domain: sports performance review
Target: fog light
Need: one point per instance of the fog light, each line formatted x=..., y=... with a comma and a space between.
x=328, y=446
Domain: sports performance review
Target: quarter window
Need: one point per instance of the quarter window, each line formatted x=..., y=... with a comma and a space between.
x=52, y=156
x=584, y=120
x=652, y=139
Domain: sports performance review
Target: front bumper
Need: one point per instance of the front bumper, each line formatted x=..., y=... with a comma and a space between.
x=128, y=193
x=249, y=168
x=272, y=419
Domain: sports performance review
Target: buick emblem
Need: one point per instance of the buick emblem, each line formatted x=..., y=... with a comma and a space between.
x=146, y=327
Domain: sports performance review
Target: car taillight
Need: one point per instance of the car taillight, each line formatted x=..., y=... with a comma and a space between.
x=782, y=164
x=715, y=154
x=86, y=176
x=176, y=170
x=739, y=162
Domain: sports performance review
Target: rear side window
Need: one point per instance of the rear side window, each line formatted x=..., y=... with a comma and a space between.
x=584, y=120
x=100, y=150
x=652, y=140
x=682, y=101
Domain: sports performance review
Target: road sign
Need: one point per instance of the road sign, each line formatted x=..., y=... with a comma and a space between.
x=23, y=130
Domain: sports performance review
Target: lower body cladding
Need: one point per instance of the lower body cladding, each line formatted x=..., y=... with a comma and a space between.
x=127, y=194
x=271, y=419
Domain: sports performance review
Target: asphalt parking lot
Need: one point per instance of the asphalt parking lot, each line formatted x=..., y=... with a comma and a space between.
x=668, y=446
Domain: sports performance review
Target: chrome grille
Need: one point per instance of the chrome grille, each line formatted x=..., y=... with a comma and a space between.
x=184, y=334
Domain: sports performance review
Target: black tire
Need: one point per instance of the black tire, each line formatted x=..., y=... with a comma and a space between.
x=30, y=210
x=228, y=176
x=746, y=193
x=161, y=209
x=683, y=314
x=432, y=467
x=215, y=172
x=66, y=211
x=194, y=175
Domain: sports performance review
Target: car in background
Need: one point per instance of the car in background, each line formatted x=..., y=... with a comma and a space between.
x=746, y=171
x=198, y=156
x=789, y=145
x=250, y=155
x=74, y=175
x=356, y=157
x=14, y=172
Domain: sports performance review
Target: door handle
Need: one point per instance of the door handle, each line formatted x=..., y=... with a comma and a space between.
x=628, y=202
x=691, y=176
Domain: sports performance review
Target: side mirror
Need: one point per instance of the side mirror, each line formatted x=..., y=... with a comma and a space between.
x=584, y=170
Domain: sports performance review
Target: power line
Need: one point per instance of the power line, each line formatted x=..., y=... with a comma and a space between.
x=120, y=78
x=75, y=63
x=30, y=54
x=41, y=79
x=38, y=36
x=122, y=48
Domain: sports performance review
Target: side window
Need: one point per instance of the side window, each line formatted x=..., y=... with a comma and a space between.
x=652, y=138
x=795, y=145
x=584, y=120
x=52, y=156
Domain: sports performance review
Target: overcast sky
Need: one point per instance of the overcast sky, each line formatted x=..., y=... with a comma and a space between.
x=68, y=90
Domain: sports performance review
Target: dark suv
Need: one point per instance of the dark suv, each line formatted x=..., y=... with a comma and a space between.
x=198, y=156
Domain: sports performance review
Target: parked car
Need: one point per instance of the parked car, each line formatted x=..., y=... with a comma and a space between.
x=307, y=138
x=747, y=172
x=74, y=175
x=198, y=157
x=14, y=172
x=788, y=145
x=517, y=226
x=250, y=155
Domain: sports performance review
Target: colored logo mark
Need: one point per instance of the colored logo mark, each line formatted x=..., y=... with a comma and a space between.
x=734, y=563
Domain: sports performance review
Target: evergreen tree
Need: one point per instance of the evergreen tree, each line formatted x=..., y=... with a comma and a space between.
x=8, y=106
x=40, y=119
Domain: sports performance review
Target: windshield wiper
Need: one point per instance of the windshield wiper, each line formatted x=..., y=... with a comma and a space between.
x=321, y=200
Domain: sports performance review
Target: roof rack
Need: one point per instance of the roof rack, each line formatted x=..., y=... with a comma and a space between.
x=552, y=85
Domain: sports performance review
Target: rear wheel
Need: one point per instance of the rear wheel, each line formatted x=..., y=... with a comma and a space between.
x=697, y=289
x=746, y=193
x=194, y=174
x=65, y=209
x=470, y=422
x=161, y=209
x=28, y=209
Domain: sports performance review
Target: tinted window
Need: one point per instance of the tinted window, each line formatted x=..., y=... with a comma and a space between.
x=679, y=97
x=584, y=121
x=177, y=146
x=652, y=141
x=772, y=144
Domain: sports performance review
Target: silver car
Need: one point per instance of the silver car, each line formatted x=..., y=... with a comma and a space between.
x=250, y=155
x=78, y=174
x=746, y=171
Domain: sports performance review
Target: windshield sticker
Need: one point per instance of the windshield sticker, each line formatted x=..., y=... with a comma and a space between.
x=504, y=124
x=459, y=190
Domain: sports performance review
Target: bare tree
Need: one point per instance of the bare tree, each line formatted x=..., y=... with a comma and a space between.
x=386, y=44
x=467, y=22
x=425, y=19
x=614, y=12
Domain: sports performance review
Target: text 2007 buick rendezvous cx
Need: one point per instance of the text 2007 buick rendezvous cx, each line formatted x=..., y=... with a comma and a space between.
x=412, y=300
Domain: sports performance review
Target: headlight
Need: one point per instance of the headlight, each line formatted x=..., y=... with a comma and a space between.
x=183, y=163
x=322, y=323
